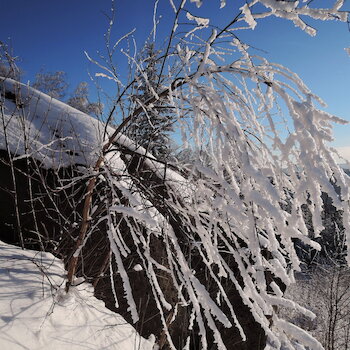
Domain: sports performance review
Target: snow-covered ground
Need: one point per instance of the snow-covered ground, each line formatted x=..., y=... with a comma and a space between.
x=36, y=313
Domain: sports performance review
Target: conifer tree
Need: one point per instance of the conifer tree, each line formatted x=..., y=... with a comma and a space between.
x=152, y=128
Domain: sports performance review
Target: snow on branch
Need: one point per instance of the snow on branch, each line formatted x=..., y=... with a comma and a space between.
x=238, y=210
x=294, y=11
x=212, y=238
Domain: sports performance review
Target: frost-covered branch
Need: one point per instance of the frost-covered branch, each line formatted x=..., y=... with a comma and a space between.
x=211, y=240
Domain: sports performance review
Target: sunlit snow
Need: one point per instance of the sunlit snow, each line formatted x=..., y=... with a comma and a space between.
x=36, y=313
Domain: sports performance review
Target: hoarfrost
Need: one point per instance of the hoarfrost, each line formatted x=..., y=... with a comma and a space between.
x=199, y=20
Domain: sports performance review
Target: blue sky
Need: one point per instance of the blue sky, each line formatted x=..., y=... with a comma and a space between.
x=53, y=35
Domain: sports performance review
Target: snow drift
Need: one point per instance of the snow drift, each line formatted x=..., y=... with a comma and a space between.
x=36, y=313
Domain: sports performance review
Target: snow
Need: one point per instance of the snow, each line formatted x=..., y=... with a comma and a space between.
x=299, y=334
x=200, y=21
x=36, y=313
x=197, y=2
x=35, y=125
x=248, y=17
x=344, y=153
x=138, y=268
x=58, y=135
x=234, y=201
x=46, y=129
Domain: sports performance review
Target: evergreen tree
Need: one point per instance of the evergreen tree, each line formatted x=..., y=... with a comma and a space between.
x=152, y=128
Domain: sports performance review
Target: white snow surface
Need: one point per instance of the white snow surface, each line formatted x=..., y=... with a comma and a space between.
x=58, y=135
x=47, y=129
x=35, y=125
x=36, y=313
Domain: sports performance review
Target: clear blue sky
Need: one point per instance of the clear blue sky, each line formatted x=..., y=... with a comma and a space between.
x=53, y=35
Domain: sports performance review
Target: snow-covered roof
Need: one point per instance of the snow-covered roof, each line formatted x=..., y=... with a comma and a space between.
x=34, y=124
x=58, y=135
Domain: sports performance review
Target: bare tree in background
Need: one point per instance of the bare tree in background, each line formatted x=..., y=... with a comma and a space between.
x=8, y=66
x=80, y=101
x=53, y=84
